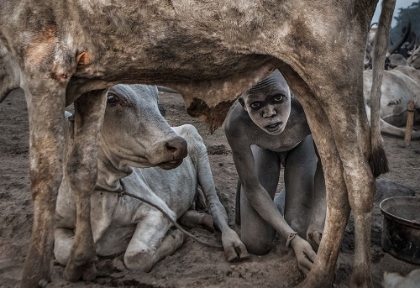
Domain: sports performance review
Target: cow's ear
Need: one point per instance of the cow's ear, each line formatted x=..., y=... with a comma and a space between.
x=242, y=102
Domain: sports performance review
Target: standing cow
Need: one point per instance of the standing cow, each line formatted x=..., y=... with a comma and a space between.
x=132, y=124
x=209, y=51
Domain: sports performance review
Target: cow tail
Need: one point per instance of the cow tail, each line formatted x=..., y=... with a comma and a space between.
x=379, y=161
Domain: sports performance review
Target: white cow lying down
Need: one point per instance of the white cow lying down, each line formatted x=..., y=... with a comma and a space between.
x=399, y=86
x=122, y=223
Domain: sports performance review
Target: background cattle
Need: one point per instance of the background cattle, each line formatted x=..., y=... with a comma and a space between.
x=399, y=86
x=401, y=82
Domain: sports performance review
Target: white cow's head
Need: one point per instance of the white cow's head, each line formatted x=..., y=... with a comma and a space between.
x=134, y=132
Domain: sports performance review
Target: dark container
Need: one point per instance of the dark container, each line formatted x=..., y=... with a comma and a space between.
x=401, y=227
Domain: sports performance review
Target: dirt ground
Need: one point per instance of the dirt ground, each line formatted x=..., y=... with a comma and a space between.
x=193, y=265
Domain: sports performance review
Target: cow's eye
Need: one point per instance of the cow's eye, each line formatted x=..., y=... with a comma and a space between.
x=255, y=105
x=112, y=99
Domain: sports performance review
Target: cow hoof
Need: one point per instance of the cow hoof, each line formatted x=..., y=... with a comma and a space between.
x=89, y=274
x=73, y=272
x=361, y=278
x=315, y=281
x=72, y=275
x=235, y=254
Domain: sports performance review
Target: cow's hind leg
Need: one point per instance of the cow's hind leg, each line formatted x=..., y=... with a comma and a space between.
x=146, y=247
x=322, y=272
x=353, y=148
x=360, y=185
x=338, y=209
x=192, y=219
x=81, y=170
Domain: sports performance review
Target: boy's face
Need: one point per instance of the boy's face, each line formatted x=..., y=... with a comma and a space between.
x=268, y=104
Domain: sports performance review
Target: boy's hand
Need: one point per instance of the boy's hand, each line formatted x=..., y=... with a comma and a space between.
x=304, y=254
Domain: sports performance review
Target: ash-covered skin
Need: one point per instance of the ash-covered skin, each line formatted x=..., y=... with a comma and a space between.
x=268, y=129
x=268, y=103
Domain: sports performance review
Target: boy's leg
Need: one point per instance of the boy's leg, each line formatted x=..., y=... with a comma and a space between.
x=256, y=234
x=299, y=174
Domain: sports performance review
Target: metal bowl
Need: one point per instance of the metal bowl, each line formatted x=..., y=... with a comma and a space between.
x=401, y=227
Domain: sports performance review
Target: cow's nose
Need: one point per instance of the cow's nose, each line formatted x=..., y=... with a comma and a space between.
x=178, y=148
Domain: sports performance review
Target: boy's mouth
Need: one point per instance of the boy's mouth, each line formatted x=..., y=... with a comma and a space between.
x=273, y=127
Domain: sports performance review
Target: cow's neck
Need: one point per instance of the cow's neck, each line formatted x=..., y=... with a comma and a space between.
x=110, y=171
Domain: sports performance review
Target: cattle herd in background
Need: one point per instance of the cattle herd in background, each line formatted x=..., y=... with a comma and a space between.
x=401, y=82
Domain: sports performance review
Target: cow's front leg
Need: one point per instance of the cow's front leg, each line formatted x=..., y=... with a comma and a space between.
x=81, y=170
x=46, y=118
x=232, y=245
x=193, y=218
x=152, y=242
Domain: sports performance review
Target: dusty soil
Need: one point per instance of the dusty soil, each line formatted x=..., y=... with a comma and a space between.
x=193, y=264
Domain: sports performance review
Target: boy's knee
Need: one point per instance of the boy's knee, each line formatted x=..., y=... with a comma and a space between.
x=259, y=244
x=257, y=248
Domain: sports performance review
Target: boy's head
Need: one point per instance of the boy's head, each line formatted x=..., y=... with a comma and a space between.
x=268, y=103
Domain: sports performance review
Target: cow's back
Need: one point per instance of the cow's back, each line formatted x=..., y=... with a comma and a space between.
x=399, y=86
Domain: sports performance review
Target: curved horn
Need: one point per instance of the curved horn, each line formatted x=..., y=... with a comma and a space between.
x=375, y=23
x=402, y=40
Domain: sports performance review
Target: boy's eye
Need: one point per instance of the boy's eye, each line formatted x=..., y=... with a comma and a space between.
x=255, y=105
x=278, y=98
